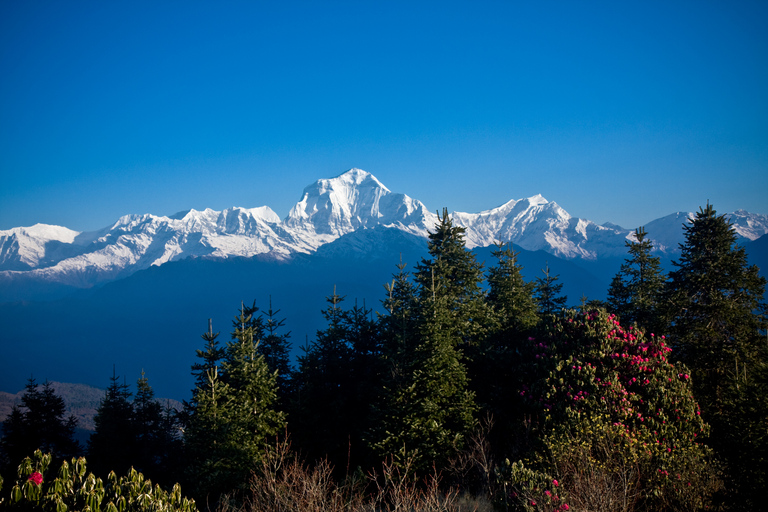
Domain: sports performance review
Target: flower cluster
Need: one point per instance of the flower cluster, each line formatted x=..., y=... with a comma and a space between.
x=593, y=377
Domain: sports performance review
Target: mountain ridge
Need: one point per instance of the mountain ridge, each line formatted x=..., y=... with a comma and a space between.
x=327, y=210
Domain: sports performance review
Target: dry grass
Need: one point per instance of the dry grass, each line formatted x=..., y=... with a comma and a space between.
x=284, y=483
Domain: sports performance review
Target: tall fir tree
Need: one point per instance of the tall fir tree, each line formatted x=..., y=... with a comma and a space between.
x=210, y=357
x=719, y=329
x=39, y=423
x=111, y=446
x=276, y=350
x=452, y=272
x=398, y=325
x=636, y=291
x=335, y=384
x=509, y=295
x=548, y=292
x=496, y=369
x=426, y=416
x=232, y=417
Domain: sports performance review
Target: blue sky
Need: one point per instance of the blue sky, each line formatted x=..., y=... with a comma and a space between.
x=618, y=111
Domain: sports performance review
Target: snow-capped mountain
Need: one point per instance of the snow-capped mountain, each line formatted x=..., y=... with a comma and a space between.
x=327, y=210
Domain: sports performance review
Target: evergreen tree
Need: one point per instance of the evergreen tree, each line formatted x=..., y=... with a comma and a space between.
x=496, y=369
x=38, y=424
x=636, y=290
x=718, y=328
x=149, y=426
x=427, y=415
x=276, y=350
x=453, y=273
x=548, y=291
x=509, y=295
x=233, y=415
x=111, y=446
x=399, y=326
x=337, y=381
x=210, y=357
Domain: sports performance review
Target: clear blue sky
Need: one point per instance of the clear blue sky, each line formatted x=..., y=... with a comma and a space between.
x=618, y=111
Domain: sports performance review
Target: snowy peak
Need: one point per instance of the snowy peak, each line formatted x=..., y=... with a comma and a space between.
x=356, y=199
x=25, y=248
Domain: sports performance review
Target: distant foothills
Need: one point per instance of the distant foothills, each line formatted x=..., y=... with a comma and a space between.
x=138, y=294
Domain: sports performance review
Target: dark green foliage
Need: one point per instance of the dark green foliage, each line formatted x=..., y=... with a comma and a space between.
x=427, y=409
x=495, y=367
x=139, y=434
x=511, y=298
x=718, y=330
x=38, y=487
x=453, y=273
x=38, y=424
x=337, y=380
x=210, y=357
x=276, y=350
x=429, y=413
x=111, y=446
x=231, y=417
x=547, y=292
x=636, y=290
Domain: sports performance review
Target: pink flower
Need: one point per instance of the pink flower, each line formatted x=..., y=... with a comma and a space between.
x=554, y=482
x=35, y=477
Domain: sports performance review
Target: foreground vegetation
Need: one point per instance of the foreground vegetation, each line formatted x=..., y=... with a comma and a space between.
x=474, y=390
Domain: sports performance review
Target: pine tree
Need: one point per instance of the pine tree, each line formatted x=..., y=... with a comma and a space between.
x=427, y=415
x=39, y=424
x=399, y=326
x=336, y=383
x=210, y=357
x=718, y=329
x=548, y=293
x=231, y=418
x=111, y=446
x=276, y=350
x=636, y=290
x=149, y=428
x=496, y=369
x=509, y=295
x=453, y=273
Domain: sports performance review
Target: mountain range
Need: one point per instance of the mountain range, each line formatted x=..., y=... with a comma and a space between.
x=328, y=210
x=138, y=293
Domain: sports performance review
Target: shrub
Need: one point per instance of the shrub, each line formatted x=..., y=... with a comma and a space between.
x=74, y=488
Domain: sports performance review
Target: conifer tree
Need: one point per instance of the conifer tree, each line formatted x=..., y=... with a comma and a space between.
x=399, y=326
x=232, y=416
x=210, y=357
x=336, y=382
x=427, y=415
x=510, y=296
x=149, y=425
x=276, y=350
x=453, y=273
x=111, y=446
x=38, y=424
x=718, y=328
x=636, y=290
x=496, y=369
x=548, y=293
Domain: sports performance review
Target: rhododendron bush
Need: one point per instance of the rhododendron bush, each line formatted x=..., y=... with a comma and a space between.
x=616, y=420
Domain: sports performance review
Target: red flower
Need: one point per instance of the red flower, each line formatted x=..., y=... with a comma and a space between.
x=36, y=477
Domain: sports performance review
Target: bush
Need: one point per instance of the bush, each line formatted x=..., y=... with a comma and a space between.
x=617, y=422
x=73, y=488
